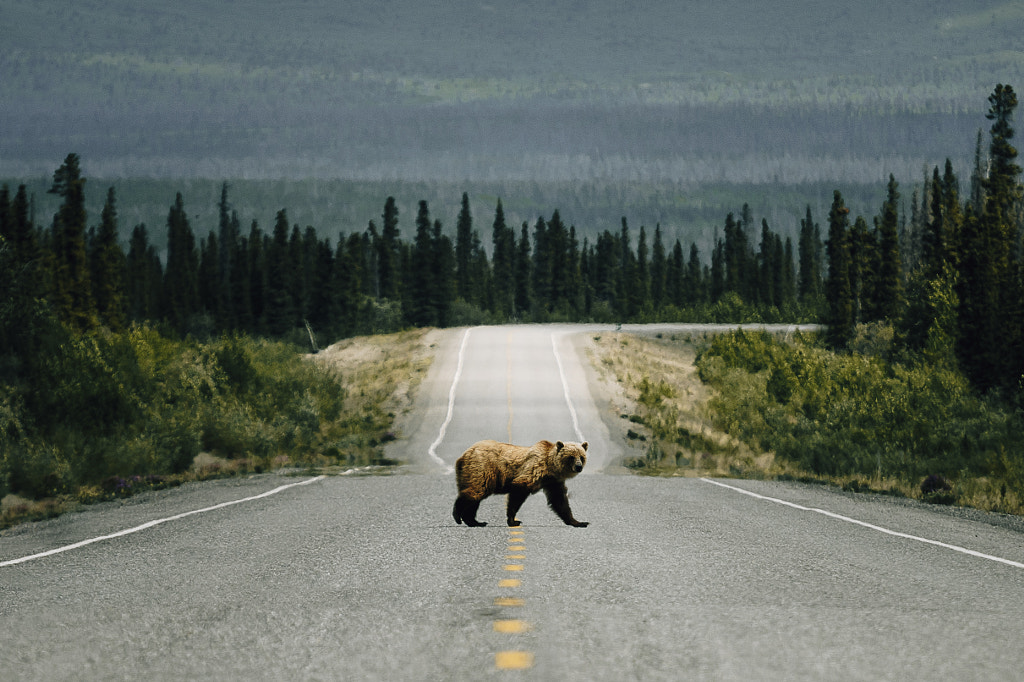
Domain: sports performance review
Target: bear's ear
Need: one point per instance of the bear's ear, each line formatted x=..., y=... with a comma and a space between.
x=584, y=445
x=558, y=446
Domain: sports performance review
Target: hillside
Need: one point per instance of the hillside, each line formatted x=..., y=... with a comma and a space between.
x=545, y=91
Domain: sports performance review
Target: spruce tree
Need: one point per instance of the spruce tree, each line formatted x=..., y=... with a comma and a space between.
x=421, y=311
x=503, y=245
x=388, y=256
x=695, y=285
x=181, y=276
x=659, y=270
x=72, y=291
x=523, y=274
x=888, y=289
x=257, y=257
x=144, y=277
x=279, y=299
x=464, y=252
x=992, y=313
x=838, y=293
x=108, y=268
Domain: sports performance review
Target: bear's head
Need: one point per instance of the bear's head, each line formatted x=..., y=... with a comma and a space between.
x=572, y=457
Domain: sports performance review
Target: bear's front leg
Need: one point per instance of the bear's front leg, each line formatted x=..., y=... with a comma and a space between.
x=558, y=500
x=515, y=500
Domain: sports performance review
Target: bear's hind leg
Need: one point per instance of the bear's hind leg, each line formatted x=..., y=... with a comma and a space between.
x=465, y=510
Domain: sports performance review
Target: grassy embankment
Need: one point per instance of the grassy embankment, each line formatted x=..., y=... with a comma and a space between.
x=756, y=406
x=109, y=415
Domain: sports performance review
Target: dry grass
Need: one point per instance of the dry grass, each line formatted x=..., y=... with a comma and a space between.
x=380, y=375
x=668, y=424
x=667, y=421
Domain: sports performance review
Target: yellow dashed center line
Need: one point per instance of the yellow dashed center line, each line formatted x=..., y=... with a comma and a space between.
x=512, y=659
x=511, y=626
x=508, y=601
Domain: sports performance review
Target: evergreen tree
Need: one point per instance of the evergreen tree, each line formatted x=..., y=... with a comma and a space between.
x=769, y=267
x=144, y=278
x=21, y=239
x=503, y=241
x=675, y=276
x=345, y=282
x=643, y=273
x=629, y=295
x=257, y=257
x=862, y=270
x=443, y=275
x=810, y=262
x=226, y=298
x=72, y=290
x=209, y=277
x=181, y=276
x=388, y=255
x=992, y=320
x=889, y=277
x=695, y=285
x=717, y=285
x=540, y=271
x=839, y=295
x=422, y=297
x=278, y=298
x=240, y=282
x=788, y=294
x=464, y=252
x=107, y=271
x=523, y=274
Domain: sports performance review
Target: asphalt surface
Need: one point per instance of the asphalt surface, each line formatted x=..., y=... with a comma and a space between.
x=353, y=578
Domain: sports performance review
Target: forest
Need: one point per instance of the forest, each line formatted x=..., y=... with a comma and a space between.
x=947, y=278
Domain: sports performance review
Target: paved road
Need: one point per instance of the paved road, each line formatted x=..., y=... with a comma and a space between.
x=368, y=578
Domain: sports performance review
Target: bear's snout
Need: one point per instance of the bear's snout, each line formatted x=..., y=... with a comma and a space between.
x=578, y=466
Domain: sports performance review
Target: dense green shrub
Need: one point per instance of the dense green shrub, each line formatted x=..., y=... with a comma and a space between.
x=853, y=414
x=103, y=405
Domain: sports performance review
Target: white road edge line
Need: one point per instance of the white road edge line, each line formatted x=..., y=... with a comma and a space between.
x=565, y=387
x=840, y=517
x=432, y=451
x=155, y=522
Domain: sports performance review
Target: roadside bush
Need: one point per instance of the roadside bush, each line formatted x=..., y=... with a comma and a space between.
x=851, y=414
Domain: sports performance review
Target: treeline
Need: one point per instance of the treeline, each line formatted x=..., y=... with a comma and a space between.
x=951, y=279
x=278, y=282
x=949, y=276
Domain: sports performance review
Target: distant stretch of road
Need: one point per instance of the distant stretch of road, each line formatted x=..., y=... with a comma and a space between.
x=369, y=578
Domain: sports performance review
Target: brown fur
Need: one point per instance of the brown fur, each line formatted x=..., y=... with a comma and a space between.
x=493, y=468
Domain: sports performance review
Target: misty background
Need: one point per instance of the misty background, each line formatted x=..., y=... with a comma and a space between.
x=672, y=112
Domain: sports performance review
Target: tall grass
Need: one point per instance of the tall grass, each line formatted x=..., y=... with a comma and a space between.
x=864, y=417
x=102, y=414
x=750, y=404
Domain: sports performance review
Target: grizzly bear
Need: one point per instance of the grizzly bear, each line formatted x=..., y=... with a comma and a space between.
x=493, y=468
